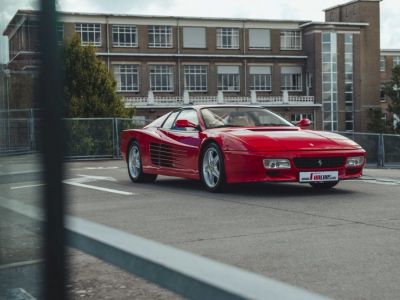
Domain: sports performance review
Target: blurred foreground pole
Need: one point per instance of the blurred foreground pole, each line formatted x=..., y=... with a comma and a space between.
x=50, y=97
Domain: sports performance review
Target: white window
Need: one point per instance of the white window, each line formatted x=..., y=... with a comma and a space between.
x=127, y=77
x=382, y=63
x=60, y=33
x=290, y=40
x=291, y=79
x=160, y=36
x=194, y=37
x=227, y=38
x=295, y=118
x=124, y=36
x=260, y=78
x=196, y=78
x=396, y=61
x=90, y=34
x=259, y=39
x=228, y=78
x=162, y=78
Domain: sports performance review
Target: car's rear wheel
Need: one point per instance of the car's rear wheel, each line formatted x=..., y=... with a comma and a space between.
x=212, y=168
x=134, y=162
x=324, y=185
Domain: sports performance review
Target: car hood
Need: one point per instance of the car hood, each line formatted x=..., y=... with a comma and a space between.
x=259, y=140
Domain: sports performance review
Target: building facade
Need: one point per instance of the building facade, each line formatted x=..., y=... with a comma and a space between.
x=326, y=71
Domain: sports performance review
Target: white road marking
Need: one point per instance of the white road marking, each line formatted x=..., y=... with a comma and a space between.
x=381, y=181
x=26, y=186
x=95, y=168
x=98, y=188
x=89, y=178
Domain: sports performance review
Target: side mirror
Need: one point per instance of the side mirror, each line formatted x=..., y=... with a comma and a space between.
x=304, y=123
x=184, y=124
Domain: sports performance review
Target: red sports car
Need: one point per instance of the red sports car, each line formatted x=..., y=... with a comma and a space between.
x=229, y=144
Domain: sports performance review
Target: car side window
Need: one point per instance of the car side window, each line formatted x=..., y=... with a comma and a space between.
x=191, y=116
x=170, y=120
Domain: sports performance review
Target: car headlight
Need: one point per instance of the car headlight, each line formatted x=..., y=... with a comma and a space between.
x=276, y=163
x=355, y=161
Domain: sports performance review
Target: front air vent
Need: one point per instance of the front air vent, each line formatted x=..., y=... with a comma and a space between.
x=161, y=155
x=318, y=162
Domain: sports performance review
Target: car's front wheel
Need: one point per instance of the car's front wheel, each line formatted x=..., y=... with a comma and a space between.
x=324, y=185
x=134, y=162
x=212, y=168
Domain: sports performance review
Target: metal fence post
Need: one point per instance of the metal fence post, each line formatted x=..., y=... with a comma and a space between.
x=381, y=151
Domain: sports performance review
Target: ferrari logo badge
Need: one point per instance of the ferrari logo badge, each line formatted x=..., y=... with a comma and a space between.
x=320, y=162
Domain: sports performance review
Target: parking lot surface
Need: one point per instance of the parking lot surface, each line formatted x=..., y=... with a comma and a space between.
x=343, y=243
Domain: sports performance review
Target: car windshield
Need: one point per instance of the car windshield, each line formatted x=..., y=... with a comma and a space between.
x=217, y=117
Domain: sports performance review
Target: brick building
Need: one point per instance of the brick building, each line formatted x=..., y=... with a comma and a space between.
x=326, y=71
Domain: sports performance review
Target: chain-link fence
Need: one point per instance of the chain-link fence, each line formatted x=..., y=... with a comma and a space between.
x=98, y=138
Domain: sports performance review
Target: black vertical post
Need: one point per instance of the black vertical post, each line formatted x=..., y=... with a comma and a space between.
x=50, y=97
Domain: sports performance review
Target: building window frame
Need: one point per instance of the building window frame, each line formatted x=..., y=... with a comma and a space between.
x=191, y=32
x=396, y=61
x=160, y=36
x=196, y=78
x=292, y=82
x=260, y=79
x=161, y=78
x=297, y=117
x=124, y=36
x=382, y=63
x=227, y=38
x=60, y=33
x=89, y=33
x=255, y=43
x=127, y=77
x=291, y=40
x=228, y=78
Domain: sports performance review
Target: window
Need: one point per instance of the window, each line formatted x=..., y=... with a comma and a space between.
x=396, y=61
x=295, y=118
x=291, y=79
x=60, y=33
x=382, y=93
x=383, y=63
x=90, y=34
x=329, y=80
x=127, y=77
x=259, y=39
x=124, y=36
x=196, y=78
x=191, y=116
x=162, y=78
x=170, y=120
x=228, y=78
x=348, y=82
x=160, y=36
x=260, y=78
x=194, y=37
x=227, y=38
x=290, y=40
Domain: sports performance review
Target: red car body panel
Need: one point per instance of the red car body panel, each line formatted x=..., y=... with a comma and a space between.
x=177, y=153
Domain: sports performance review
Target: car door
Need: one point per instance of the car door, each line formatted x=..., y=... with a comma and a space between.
x=185, y=142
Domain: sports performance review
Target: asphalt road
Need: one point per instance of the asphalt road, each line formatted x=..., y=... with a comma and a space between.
x=343, y=243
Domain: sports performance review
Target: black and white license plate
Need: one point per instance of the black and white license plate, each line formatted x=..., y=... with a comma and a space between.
x=318, y=176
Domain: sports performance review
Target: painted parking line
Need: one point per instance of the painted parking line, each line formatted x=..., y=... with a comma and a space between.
x=26, y=186
x=84, y=179
x=381, y=181
x=93, y=187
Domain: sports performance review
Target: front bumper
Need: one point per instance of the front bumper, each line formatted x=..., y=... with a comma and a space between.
x=248, y=167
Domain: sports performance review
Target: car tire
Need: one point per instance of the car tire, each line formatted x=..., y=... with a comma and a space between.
x=212, y=168
x=324, y=185
x=134, y=162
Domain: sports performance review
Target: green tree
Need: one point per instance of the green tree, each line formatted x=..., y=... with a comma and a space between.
x=89, y=87
x=392, y=90
x=376, y=123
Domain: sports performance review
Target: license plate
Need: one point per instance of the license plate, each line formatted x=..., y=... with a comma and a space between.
x=318, y=176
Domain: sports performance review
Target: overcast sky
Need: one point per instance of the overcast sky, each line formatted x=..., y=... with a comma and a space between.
x=264, y=9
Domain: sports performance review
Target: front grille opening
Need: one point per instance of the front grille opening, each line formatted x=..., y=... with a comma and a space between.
x=318, y=162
